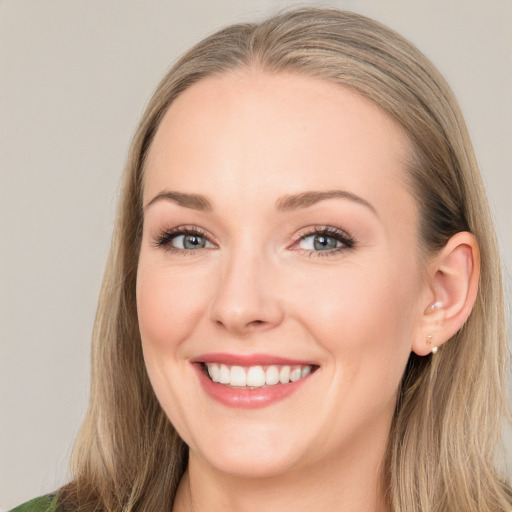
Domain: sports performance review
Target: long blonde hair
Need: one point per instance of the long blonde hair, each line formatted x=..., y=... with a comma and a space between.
x=447, y=425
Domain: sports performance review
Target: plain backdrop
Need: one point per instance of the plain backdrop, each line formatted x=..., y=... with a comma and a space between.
x=75, y=76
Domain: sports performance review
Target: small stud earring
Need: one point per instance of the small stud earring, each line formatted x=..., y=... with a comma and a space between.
x=429, y=343
x=435, y=306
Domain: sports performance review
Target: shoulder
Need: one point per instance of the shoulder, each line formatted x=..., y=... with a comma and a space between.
x=46, y=503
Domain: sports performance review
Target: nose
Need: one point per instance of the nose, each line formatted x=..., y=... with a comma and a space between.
x=247, y=298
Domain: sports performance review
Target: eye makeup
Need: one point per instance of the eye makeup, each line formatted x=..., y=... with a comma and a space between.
x=315, y=241
x=321, y=241
x=191, y=238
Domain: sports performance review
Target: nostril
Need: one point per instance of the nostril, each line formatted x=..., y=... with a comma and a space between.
x=256, y=323
x=249, y=326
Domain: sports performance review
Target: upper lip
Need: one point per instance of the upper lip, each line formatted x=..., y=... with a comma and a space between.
x=248, y=360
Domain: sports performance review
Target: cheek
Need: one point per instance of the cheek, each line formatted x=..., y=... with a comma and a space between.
x=169, y=305
x=363, y=315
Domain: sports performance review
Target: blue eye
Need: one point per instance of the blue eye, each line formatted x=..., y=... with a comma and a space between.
x=325, y=240
x=183, y=239
x=319, y=243
x=190, y=241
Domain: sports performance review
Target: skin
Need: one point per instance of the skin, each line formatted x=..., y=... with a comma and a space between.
x=245, y=140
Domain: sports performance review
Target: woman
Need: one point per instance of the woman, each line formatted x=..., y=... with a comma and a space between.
x=303, y=304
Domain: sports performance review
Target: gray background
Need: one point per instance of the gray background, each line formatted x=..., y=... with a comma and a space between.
x=75, y=76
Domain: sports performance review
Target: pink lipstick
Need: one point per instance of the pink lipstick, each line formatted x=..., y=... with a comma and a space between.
x=251, y=381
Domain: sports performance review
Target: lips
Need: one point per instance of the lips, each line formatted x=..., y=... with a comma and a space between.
x=251, y=381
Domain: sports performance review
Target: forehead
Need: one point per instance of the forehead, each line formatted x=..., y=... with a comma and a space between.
x=283, y=132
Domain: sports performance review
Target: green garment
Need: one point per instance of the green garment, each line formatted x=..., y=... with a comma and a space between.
x=46, y=503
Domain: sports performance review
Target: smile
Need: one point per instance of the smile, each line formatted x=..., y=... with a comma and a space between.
x=256, y=376
x=251, y=381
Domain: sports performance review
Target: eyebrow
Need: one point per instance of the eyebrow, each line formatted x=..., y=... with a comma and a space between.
x=194, y=201
x=306, y=199
x=283, y=204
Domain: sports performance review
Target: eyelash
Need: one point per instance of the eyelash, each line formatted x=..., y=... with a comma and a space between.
x=165, y=238
x=329, y=231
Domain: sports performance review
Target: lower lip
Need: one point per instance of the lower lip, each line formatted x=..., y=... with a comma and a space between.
x=247, y=398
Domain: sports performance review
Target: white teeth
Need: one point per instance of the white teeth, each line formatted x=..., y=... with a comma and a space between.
x=238, y=377
x=295, y=374
x=272, y=375
x=214, y=372
x=306, y=370
x=256, y=376
x=284, y=375
x=224, y=374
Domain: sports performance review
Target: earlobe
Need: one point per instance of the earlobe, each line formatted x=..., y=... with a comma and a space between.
x=453, y=276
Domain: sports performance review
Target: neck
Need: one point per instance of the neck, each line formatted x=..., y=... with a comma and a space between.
x=359, y=486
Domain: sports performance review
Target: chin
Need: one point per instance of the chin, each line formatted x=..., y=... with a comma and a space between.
x=254, y=466
x=251, y=455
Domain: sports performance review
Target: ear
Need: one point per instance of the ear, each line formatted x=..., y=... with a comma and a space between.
x=452, y=282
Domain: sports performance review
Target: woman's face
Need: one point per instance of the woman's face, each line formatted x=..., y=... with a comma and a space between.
x=280, y=254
